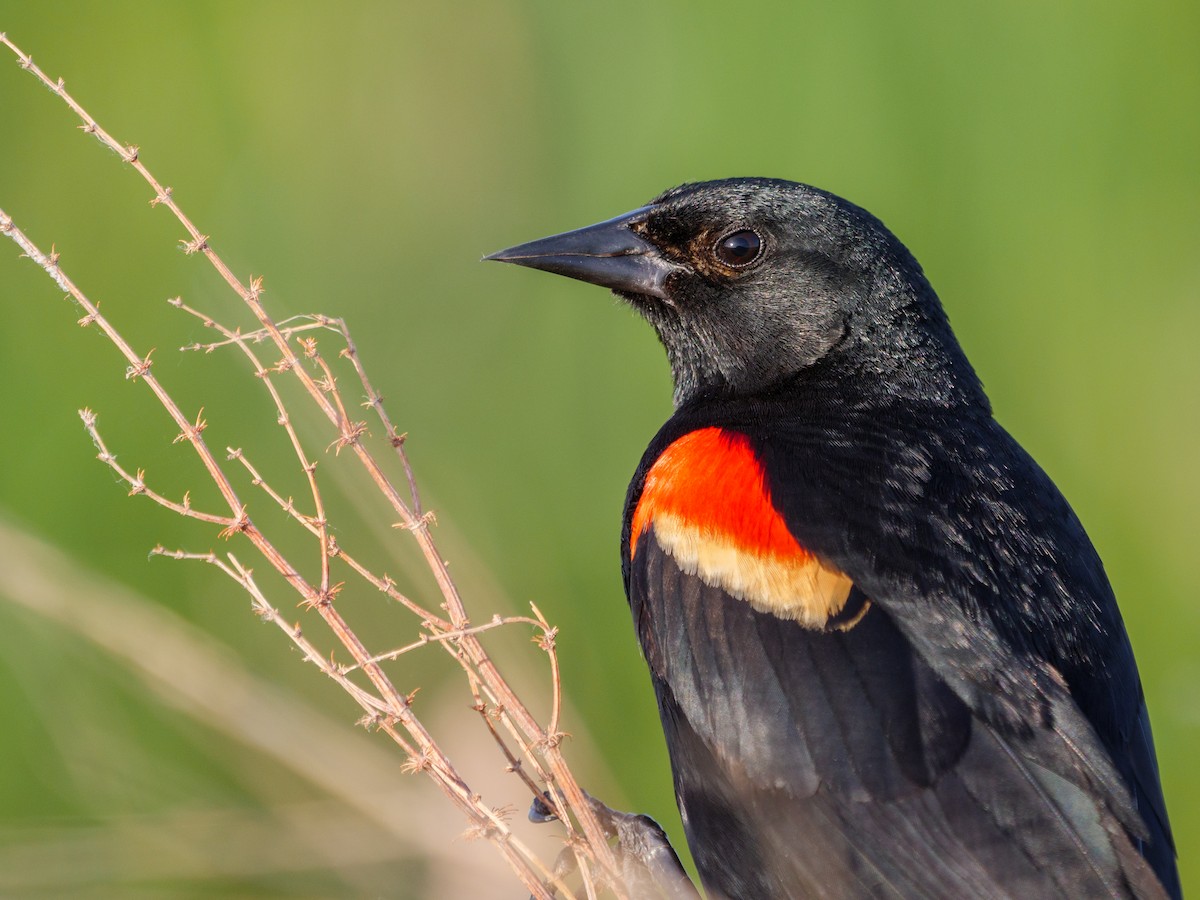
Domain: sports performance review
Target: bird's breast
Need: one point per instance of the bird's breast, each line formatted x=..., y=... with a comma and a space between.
x=707, y=500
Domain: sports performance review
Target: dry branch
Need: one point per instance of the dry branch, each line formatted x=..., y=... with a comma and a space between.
x=532, y=751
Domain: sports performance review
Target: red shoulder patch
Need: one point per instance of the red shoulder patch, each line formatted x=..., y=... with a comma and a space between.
x=707, y=499
x=712, y=480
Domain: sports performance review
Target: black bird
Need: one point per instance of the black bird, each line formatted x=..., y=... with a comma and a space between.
x=887, y=658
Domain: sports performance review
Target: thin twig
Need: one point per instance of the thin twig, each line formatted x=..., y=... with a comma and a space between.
x=388, y=707
x=398, y=709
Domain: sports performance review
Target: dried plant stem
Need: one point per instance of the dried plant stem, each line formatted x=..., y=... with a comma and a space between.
x=385, y=707
x=395, y=707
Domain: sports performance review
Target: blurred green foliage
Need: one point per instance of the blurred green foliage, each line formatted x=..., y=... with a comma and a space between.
x=1039, y=159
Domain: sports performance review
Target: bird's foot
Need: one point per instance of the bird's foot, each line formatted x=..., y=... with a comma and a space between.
x=650, y=867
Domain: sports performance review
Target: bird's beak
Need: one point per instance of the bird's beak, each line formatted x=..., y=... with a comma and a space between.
x=609, y=254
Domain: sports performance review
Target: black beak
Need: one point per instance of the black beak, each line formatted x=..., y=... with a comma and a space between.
x=609, y=254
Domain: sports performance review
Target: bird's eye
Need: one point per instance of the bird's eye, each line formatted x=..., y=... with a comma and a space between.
x=739, y=248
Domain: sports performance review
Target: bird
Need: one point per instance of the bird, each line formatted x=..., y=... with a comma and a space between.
x=887, y=658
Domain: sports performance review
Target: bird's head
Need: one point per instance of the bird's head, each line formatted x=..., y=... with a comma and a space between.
x=750, y=281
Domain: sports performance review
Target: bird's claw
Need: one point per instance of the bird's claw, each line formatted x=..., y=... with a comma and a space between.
x=650, y=867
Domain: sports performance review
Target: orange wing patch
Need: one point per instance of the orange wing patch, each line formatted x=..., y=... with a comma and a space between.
x=707, y=500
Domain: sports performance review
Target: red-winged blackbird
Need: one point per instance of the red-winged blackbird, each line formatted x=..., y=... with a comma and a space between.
x=887, y=658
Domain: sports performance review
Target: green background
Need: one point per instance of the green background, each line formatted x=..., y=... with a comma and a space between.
x=1041, y=160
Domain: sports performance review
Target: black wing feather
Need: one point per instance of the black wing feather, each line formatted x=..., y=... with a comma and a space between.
x=839, y=764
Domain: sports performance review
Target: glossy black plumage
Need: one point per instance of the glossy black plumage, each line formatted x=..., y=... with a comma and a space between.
x=981, y=731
